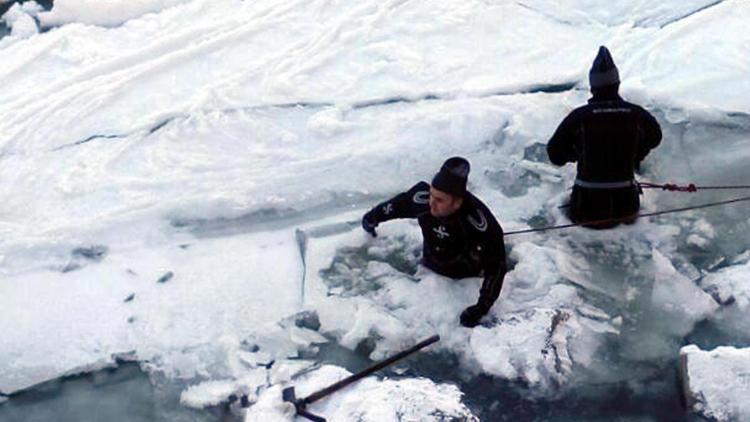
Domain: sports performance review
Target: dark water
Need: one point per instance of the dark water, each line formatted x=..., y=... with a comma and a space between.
x=656, y=398
x=124, y=393
x=127, y=393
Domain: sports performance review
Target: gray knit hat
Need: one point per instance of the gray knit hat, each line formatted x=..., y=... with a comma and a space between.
x=603, y=71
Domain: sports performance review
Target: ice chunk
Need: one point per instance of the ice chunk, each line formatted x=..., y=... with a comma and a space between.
x=367, y=400
x=214, y=392
x=705, y=228
x=716, y=383
x=287, y=370
x=209, y=393
x=32, y=7
x=24, y=27
x=730, y=288
x=702, y=233
x=255, y=359
x=698, y=240
x=531, y=346
x=678, y=295
x=304, y=336
x=20, y=18
x=729, y=285
x=102, y=12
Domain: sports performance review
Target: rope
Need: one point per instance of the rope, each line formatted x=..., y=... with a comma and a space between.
x=673, y=187
x=629, y=217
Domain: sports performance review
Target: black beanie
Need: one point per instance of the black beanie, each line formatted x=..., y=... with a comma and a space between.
x=603, y=71
x=452, y=176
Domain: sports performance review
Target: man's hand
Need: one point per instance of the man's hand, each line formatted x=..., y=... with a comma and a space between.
x=471, y=316
x=369, y=224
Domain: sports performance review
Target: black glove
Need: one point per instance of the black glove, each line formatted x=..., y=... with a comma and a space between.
x=470, y=316
x=369, y=224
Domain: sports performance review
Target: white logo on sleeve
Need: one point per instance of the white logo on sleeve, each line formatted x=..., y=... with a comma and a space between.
x=441, y=232
x=421, y=197
x=388, y=209
x=480, y=224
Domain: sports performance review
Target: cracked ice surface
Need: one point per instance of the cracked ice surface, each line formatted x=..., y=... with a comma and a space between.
x=550, y=321
x=194, y=138
x=81, y=318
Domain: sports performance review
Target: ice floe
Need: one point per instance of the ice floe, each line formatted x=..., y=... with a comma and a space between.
x=716, y=382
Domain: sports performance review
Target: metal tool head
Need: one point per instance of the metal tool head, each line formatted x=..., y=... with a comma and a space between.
x=290, y=396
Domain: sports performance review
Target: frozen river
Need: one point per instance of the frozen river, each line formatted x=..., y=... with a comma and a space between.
x=159, y=160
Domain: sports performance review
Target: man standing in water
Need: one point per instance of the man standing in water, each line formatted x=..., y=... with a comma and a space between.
x=608, y=138
x=461, y=236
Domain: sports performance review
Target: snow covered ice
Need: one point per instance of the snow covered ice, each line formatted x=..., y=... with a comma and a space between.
x=371, y=399
x=140, y=139
x=717, y=382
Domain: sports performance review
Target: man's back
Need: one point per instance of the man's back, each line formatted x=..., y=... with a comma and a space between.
x=607, y=137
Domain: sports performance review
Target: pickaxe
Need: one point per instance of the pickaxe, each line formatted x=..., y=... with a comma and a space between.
x=300, y=405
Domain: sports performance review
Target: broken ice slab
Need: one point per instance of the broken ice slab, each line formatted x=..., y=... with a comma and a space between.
x=370, y=399
x=716, y=383
x=215, y=392
x=255, y=359
x=728, y=285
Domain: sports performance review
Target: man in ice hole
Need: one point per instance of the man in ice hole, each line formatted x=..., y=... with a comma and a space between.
x=461, y=236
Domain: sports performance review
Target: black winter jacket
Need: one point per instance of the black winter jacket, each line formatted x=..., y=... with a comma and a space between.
x=466, y=244
x=608, y=138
